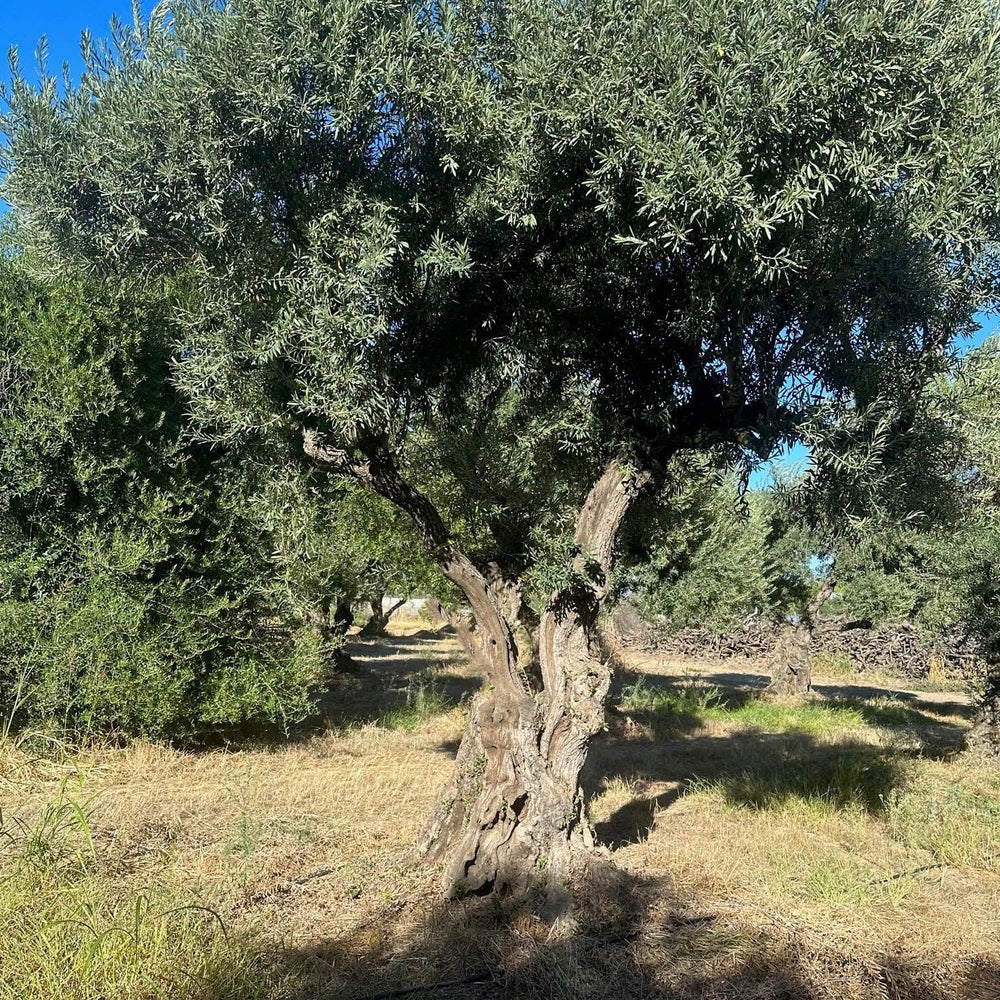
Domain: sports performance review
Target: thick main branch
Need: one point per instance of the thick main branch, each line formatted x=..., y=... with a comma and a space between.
x=374, y=466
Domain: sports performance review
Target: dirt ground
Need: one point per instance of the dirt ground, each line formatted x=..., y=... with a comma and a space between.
x=848, y=848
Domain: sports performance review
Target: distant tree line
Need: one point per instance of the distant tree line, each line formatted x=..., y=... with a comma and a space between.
x=921, y=550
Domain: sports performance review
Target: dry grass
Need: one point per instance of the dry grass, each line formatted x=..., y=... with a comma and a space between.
x=837, y=850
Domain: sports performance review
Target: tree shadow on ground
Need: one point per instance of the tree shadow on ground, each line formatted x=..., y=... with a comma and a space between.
x=625, y=936
x=893, y=706
x=753, y=770
x=661, y=750
x=748, y=683
x=932, y=702
x=395, y=673
x=632, y=936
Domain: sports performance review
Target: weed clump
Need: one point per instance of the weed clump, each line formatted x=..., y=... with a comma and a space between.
x=73, y=930
x=423, y=700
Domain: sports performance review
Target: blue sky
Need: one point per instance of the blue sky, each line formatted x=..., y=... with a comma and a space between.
x=797, y=458
x=23, y=22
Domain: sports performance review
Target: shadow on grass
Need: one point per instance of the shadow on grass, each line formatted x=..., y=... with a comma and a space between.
x=842, y=777
x=751, y=770
x=625, y=937
x=923, y=703
x=395, y=701
x=658, y=747
x=399, y=683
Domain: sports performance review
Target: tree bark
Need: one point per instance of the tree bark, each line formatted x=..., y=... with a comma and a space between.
x=343, y=616
x=514, y=814
x=984, y=736
x=791, y=664
x=331, y=634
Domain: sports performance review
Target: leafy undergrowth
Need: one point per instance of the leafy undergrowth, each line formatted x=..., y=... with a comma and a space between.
x=816, y=852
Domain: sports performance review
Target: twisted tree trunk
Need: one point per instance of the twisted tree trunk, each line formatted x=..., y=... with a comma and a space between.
x=791, y=665
x=514, y=812
x=331, y=633
x=379, y=621
x=985, y=733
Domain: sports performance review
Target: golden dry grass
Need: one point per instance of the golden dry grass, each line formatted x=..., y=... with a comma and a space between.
x=846, y=850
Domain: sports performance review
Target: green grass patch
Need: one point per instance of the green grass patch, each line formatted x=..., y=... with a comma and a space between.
x=87, y=941
x=73, y=929
x=846, y=778
x=668, y=708
x=422, y=702
x=674, y=709
x=959, y=825
x=817, y=718
x=840, y=878
x=887, y=712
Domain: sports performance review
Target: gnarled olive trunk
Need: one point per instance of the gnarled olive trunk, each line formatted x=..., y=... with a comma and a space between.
x=791, y=663
x=985, y=734
x=379, y=620
x=514, y=811
x=331, y=633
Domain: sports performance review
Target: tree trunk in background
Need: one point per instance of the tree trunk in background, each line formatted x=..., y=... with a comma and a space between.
x=331, y=634
x=985, y=734
x=343, y=616
x=514, y=812
x=791, y=665
x=379, y=621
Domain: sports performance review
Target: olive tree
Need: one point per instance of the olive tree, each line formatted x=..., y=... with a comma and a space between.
x=882, y=484
x=968, y=565
x=710, y=553
x=336, y=544
x=688, y=222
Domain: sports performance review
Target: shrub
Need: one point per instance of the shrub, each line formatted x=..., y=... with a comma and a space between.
x=136, y=591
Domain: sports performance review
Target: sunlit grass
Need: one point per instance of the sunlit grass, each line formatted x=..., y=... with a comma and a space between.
x=265, y=872
x=764, y=716
x=954, y=820
x=73, y=930
x=676, y=708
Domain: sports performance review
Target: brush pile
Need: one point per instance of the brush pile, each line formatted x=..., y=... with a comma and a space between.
x=897, y=648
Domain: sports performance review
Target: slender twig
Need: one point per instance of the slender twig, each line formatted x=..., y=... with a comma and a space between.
x=479, y=977
x=913, y=871
x=309, y=878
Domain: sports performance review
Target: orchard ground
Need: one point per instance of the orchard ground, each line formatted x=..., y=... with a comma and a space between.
x=845, y=848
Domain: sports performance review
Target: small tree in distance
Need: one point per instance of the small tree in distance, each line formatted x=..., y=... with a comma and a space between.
x=688, y=222
x=880, y=476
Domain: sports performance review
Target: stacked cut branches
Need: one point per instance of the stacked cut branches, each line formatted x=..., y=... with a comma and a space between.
x=900, y=648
